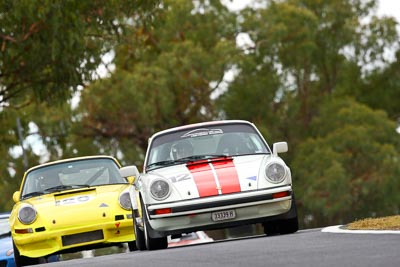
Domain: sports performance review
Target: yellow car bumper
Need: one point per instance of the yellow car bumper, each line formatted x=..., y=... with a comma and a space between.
x=43, y=243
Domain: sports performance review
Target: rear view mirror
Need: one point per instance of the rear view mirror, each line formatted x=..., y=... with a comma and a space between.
x=279, y=147
x=16, y=196
x=129, y=171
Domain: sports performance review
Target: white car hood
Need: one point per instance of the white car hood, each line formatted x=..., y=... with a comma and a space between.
x=212, y=177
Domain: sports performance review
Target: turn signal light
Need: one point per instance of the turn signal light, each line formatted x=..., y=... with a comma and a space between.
x=280, y=194
x=163, y=211
x=24, y=231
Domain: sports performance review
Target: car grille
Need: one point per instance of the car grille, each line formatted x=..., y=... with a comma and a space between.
x=68, y=240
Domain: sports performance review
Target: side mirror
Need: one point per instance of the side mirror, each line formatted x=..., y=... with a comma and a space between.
x=16, y=196
x=280, y=147
x=129, y=171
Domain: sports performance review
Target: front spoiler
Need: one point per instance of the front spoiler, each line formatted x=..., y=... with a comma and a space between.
x=281, y=209
x=39, y=244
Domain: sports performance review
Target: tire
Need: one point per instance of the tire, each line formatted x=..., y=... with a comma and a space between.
x=132, y=246
x=289, y=226
x=271, y=228
x=140, y=241
x=152, y=243
x=283, y=227
x=23, y=260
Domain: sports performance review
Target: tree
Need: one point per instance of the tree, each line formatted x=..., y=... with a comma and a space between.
x=382, y=88
x=348, y=167
x=307, y=55
x=165, y=75
x=49, y=48
x=310, y=46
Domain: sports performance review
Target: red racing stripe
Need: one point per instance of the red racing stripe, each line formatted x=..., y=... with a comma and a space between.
x=227, y=176
x=204, y=179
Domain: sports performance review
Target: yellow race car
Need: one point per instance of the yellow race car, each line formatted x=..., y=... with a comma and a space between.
x=71, y=205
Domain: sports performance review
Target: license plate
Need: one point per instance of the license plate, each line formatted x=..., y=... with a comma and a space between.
x=223, y=215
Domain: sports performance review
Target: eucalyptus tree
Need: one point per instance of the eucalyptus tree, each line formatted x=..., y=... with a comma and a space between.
x=303, y=51
x=303, y=57
x=165, y=75
x=48, y=50
x=348, y=168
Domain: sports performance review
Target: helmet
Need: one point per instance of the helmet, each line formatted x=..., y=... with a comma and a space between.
x=45, y=182
x=181, y=149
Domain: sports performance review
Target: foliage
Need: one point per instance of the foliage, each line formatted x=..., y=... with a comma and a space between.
x=315, y=74
x=162, y=77
x=381, y=88
x=304, y=56
x=49, y=48
x=348, y=169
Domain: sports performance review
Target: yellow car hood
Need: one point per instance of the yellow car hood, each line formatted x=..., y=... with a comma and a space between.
x=74, y=208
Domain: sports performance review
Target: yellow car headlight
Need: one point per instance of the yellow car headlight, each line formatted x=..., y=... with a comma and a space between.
x=27, y=214
x=125, y=201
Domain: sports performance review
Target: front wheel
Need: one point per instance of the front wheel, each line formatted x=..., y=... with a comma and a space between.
x=132, y=246
x=140, y=241
x=152, y=243
x=282, y=227
x=23, y=260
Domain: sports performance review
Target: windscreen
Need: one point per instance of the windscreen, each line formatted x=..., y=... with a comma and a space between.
x=72, y=174
x=215, y=140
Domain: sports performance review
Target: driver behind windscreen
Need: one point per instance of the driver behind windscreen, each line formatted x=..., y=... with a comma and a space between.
x=47, y=181
x=181, y=149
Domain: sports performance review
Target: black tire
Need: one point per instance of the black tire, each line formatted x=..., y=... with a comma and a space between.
x=152, y=243
x=132, y=246
x=283, y=227
x=289, y=226
x=23, y=260
x=140, y=241
x=271, y=228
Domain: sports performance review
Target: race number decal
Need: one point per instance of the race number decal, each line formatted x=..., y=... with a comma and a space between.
x=73, y=200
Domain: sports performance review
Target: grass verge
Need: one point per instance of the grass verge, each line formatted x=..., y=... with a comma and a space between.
x=383, y=223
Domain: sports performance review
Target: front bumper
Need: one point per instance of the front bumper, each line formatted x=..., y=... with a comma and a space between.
x=47, y=242
x=250, y=207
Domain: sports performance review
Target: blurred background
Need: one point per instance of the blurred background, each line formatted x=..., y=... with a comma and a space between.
x=100, y=77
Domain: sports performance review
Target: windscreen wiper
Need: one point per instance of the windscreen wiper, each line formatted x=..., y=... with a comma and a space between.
x=200, y=157
x=32, y=194
x=57, y=188
x=65, y=187
x=161, y=163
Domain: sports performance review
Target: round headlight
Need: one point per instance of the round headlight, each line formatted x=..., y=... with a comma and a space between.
x=275, y=172
x=160, y=189
x=125, y=201
x=9, y=252
x=27, y=214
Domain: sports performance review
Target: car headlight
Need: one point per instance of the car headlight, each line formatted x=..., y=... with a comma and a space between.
x=125, y=201
x=275, y=172
x=27, y=214
x=9, y=252
x=160, y=189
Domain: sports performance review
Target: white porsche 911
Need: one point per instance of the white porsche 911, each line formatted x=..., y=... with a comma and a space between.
x=207, y=176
